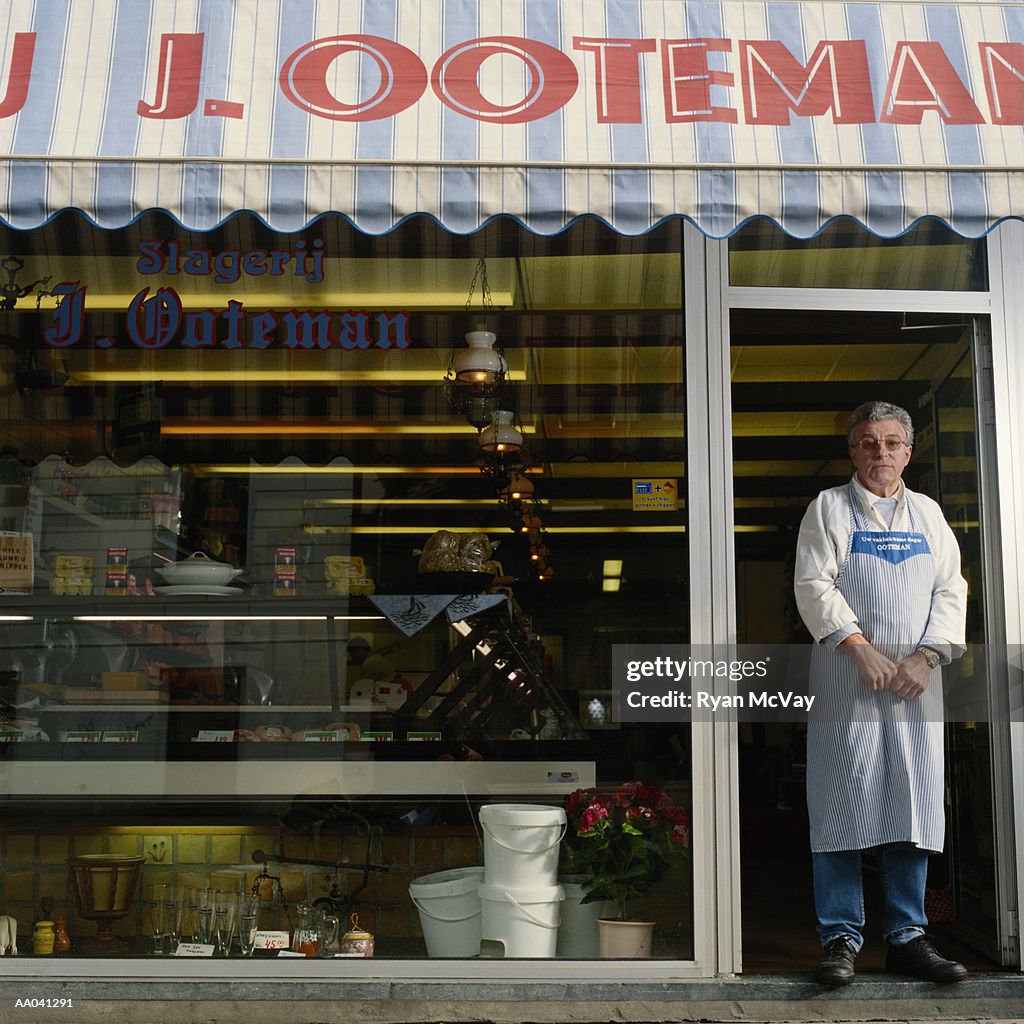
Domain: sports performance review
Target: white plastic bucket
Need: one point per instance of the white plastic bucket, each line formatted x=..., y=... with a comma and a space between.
x=449, y=908
x=521, y=844
x=578, y=937
x=524, y=920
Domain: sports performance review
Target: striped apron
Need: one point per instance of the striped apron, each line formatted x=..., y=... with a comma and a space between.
x=874, y=760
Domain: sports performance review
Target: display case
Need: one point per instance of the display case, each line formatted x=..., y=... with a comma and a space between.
x=132, y=668
x=239, y=696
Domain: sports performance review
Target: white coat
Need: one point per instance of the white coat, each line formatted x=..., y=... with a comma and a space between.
x=874, y=760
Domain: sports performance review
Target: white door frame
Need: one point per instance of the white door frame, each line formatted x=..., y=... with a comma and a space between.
x=1006, y=256
x=708, y=299
x=716, y=881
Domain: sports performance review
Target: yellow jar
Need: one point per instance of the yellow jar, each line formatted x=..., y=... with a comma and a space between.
x=42, y=938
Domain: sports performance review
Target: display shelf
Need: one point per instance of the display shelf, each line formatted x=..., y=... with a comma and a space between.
x=167, y=706
x=461, y=680
x=83, y=512
x=249, y=604
x=54, y=778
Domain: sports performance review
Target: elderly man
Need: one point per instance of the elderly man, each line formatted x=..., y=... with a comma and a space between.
x=878, y=584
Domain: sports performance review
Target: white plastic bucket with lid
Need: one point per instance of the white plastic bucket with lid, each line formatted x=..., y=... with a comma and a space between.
x=449, y=908
x=578, y=937
x=521, y=844
x=524, y=919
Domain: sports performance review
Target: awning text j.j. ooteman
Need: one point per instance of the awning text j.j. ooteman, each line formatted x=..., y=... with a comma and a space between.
x=773, y=85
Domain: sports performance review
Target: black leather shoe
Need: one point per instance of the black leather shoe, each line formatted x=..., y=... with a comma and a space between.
x=920, y=959
x=836, y=967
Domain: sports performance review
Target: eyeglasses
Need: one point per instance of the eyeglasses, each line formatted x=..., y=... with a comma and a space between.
x=870, y=444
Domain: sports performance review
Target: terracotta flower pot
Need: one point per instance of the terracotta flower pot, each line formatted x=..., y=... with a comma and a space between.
x=625, y=940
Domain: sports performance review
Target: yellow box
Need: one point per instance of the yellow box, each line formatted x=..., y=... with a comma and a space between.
x=71, y=585
x=353, y=587
x=124, y=680
x=73, y=565
x=338, y=567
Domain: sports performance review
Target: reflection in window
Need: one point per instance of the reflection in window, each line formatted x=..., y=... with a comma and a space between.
x=275, y=404
x=927, y=257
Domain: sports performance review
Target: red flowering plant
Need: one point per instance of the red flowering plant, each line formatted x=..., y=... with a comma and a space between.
x=625, y=838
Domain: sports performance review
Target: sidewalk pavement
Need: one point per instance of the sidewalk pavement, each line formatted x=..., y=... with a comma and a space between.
x=326, y=998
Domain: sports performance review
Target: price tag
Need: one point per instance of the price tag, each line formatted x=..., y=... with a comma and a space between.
x=288, y=952
x=11, y=736
x=194, y=949
x=320, y=736
x=120, y=736
x=271, y=940
x=215, y=736
x=422, y=737
x=82, y=736
x=379, y=737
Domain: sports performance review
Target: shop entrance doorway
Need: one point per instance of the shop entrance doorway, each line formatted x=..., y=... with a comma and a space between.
x=796, y=375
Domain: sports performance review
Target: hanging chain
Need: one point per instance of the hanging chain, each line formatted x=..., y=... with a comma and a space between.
x=480, y=278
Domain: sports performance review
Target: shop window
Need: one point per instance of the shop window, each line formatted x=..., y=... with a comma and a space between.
x=928, y=257
x=276, y=592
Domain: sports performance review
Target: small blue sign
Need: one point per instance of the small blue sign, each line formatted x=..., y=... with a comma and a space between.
x=890, y=546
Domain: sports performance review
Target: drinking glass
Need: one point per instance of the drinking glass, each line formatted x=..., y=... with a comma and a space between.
x=174, y=905
x=225, y=908
x=248, y=921
x=157, y=916
x=202, y=915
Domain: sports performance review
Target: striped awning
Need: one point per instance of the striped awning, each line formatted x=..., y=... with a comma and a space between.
x=542, y=110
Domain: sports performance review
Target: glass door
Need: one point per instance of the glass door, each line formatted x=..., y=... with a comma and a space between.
x=979, y=837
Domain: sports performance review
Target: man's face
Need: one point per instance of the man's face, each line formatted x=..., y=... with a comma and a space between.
x=878, y=468
x=358, y=653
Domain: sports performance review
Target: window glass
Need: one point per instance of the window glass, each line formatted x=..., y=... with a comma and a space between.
x=281, y=588
x=927, y=257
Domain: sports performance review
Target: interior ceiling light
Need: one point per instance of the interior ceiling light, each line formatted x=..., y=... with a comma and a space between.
x=320, y=429
x=611, y=584
x=501, y=434
x=247, y=469
x=475, y=376
x=480, y=363
x=611, y=567
x=250, y=376
x=518, y=488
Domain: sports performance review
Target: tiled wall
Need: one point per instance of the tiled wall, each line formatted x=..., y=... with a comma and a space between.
x=32, y=866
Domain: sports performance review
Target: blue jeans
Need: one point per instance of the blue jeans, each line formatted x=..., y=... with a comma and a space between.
x=839, y=893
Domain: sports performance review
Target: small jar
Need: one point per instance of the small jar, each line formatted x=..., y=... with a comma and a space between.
x=61, y=939
x=356, y=942
x=43, y=938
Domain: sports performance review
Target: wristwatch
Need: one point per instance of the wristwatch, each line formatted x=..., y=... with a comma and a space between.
x=930, y=655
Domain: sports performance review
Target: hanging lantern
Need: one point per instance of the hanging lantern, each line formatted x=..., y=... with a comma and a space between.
x=530, y=524
x=518, y=488
x=501, y=435
x=480, y=363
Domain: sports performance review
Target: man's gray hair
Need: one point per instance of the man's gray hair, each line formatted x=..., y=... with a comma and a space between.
x=872, y=412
